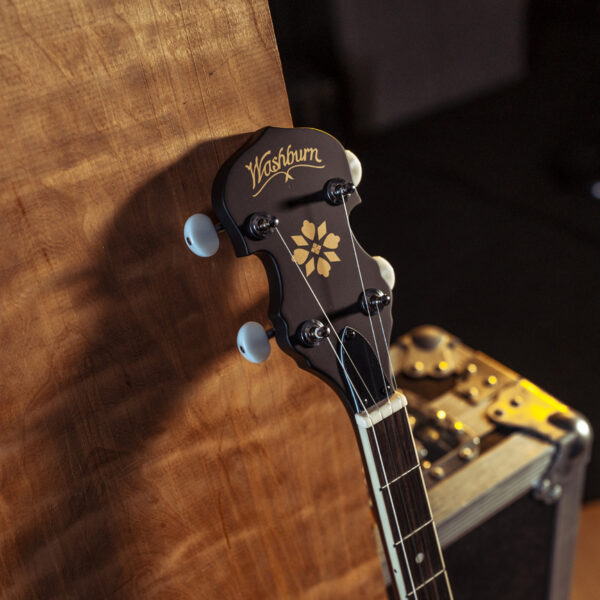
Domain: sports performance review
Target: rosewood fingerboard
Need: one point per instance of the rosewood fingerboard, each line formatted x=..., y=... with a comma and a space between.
x=405, y=516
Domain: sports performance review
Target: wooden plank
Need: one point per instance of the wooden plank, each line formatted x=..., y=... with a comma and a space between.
x=586, y=577
x=141, y=456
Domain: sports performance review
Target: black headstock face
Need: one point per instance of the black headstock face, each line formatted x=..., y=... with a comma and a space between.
x=284, y=174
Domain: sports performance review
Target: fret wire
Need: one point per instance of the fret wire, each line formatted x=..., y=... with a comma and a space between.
x=399, y=477
x=385, y=459
x=396, y=430
x=409, y=535
x=408, y=497
x=422, y=585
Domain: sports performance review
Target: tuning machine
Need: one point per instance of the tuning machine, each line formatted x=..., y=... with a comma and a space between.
x=253, y=342
x=373, y=301
x=201, y=235
x=355, y=167
x=386, y=271
x=337, y=191
x=313, y=332
x=260, y=225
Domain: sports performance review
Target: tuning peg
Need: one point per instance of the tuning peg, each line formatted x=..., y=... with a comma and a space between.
x=355, y=167
x=386, y=271
x=253, y=342
x=201, y=235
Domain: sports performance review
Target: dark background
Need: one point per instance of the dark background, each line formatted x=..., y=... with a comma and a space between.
x=483, y=202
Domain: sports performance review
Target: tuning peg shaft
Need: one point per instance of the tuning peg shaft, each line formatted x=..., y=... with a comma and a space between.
x=253, y=342
x=260, y=225
x=386, y=271
x=201, y=235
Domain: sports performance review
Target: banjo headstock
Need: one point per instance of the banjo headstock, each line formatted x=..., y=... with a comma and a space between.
x=286, y=196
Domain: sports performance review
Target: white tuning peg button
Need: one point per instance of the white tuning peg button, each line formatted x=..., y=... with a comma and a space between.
x=253, y=342
x=355, y=167
x=201, y=235
x=386, y=271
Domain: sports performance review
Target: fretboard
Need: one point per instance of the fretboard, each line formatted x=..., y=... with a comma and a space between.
x=407, y=526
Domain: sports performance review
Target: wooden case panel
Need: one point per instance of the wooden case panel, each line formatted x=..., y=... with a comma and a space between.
x=142, y=457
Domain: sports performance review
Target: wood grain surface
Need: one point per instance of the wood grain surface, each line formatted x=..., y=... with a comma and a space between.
x=140, y=455
x=586, y=575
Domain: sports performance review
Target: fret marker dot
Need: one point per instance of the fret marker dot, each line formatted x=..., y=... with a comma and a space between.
x=419, y=558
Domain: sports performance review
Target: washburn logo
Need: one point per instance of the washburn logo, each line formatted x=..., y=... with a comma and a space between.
x=263, y=169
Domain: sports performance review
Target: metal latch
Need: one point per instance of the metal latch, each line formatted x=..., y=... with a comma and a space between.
x=526, y=407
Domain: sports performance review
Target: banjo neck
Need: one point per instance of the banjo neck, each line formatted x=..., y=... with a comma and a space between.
x=406, y=523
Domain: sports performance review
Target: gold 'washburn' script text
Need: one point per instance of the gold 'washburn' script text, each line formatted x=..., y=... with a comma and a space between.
x=264, y=168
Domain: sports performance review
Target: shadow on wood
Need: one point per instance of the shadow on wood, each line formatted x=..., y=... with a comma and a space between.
x=160, y=330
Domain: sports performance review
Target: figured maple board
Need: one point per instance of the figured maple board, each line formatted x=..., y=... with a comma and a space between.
x=140, y=455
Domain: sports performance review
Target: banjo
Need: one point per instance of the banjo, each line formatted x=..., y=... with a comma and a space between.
x=286, y=196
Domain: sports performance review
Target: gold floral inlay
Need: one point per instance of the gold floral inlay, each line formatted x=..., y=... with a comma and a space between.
x=322, y=246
